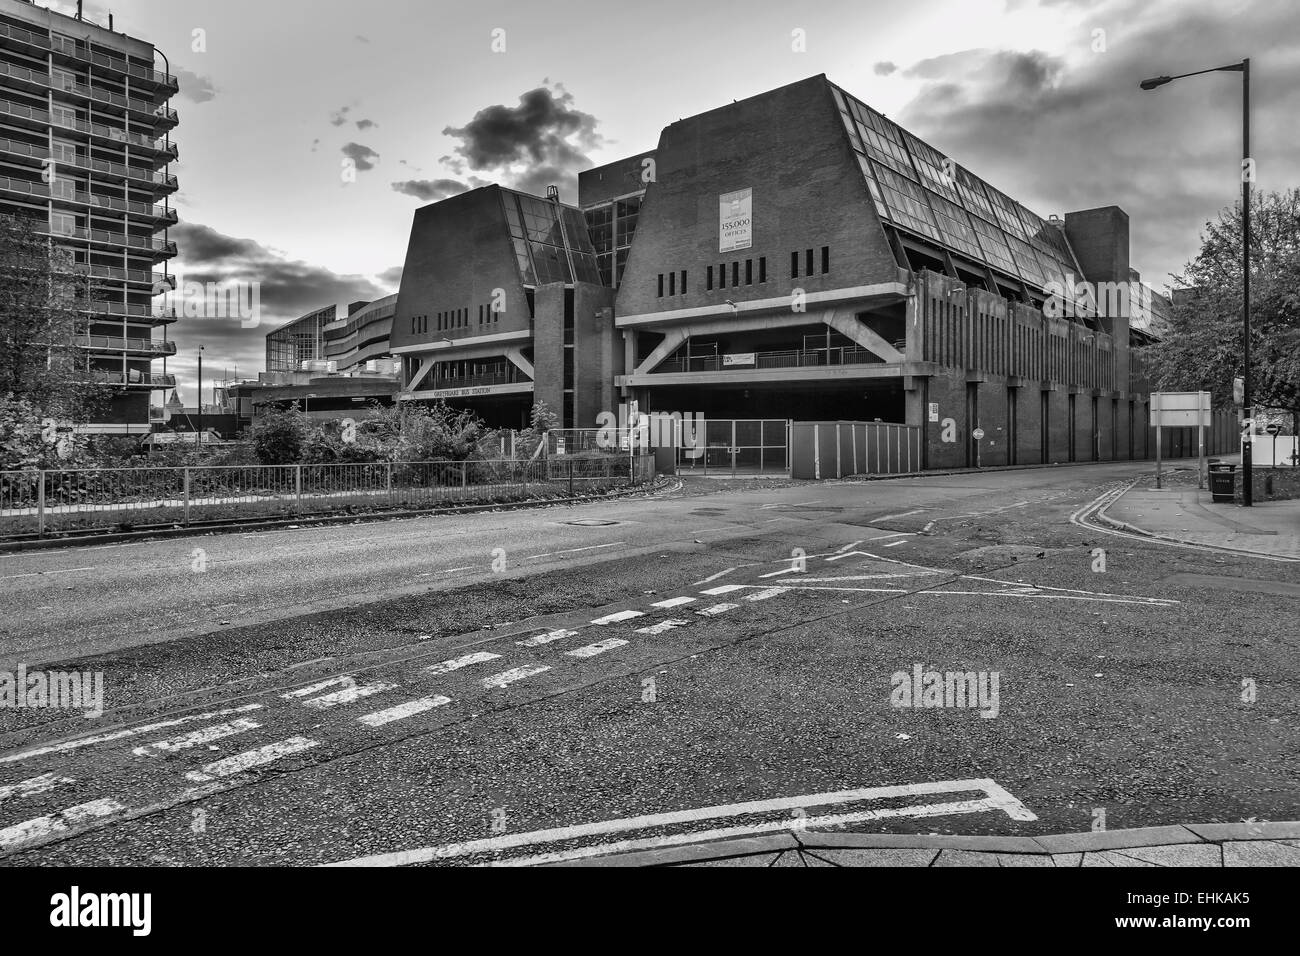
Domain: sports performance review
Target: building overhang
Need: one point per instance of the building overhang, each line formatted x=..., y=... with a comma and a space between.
x=449, y=346
x=471, y=391
x=839, y=374
x=869, y=296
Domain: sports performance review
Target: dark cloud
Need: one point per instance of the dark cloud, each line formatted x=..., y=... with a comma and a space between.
x=392, y=277
x=365, y=124
x=1074, y=131
x=340, y=116
x=884, y=68
x=360, y=39
x=364, y=157
x=431, y=190
x=543, y=139
x=194, y=86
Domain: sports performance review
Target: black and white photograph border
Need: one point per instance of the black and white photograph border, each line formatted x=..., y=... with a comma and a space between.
x=855, y=435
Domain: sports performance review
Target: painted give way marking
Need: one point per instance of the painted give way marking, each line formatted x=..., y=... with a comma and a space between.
x=907, y=800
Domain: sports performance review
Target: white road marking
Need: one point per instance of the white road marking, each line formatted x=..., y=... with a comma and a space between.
x=253, y=758
x=314, y=688
x=446, y=667
x=895, y=544
x=713, y=577
x=905, y=514
x=926, y=529
x=38, y=574
x=662, y=627
x=777, y=574
x=591, y=650
x=505, y=678
x=995, y=799
x=402, y=711
x=674, y=602
x=430, y=574
x=349, y=695
x=594, y=547
x=28, y=788
x=766, y=594
x=204, y=736
x=724, y=589
x=847, y=547
x=549, y=637
x=129, y=732
x=717, y=609
x=29, y=830
x=618, y=616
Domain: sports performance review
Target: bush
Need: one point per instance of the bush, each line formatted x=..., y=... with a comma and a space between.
x=279, y=436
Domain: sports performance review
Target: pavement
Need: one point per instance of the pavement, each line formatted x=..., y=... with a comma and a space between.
x=1181, y=512
x=950, y=656
x=1207, y=845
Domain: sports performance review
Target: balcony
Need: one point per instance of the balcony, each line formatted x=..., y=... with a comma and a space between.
x=158, y=281
x=501, y=375
x=160, y=248
x=25, y=38
x=159, y=180
x=131, y=310
x=148, y=210
x=135, y=71
x=117, y=343
x=791, y=358
x=132, y=379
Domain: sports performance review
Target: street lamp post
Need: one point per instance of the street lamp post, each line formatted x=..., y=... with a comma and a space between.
x=199, y=425
x=1247, y=174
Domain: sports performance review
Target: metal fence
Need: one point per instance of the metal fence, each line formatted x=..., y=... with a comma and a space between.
x=840, y=449
x=736, y=447
x=35, y=503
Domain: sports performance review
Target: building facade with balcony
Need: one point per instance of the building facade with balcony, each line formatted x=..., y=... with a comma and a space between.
x=86, y=153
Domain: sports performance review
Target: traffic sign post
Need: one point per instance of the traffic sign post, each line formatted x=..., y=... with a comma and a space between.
x=1273, y=430
x=978, y=435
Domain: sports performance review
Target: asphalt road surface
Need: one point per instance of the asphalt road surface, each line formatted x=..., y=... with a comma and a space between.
x=947, y=654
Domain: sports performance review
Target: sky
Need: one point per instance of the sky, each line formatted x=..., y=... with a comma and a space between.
x=311, y=130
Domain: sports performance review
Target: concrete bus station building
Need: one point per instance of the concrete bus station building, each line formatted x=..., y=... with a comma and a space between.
x=793, y=256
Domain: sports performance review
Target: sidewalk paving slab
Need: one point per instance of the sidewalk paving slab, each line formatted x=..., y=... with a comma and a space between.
x=1177, y=854
x=1261, y=830
x=874, y=857
x=1260, y=853
x=988, y=844
x=1099, y=840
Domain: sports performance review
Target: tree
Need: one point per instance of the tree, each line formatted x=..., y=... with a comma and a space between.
x=1200, y=345
x=40, y=362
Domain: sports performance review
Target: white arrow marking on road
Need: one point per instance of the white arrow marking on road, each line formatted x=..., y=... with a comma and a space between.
x=402, y=711
x=253, y=758
x=674, y=602
x=469, y=660
x=548, y=638
x=505, y=678
x=28, y=788
x=204, y=736
x=129, y=732
x=29, y=830
x=348, y=696
x=617, y=617
x=591, y=650
x=766, y=595
x=995, y=799
x=662, y=627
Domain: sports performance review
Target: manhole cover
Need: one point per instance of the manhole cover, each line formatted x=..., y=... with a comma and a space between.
x=592, y=523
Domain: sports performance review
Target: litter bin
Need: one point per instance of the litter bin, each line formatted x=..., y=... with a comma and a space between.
x=1223, y=482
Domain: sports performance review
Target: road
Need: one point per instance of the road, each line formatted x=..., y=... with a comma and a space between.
x=719, y=658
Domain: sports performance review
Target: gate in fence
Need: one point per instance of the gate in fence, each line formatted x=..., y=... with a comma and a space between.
x=840, y=449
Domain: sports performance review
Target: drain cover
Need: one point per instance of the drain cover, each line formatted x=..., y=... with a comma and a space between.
x=592, y=523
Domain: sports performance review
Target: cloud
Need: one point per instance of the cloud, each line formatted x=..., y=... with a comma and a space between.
x=363, y=156
x=1071, y=130
x=290, y=287
x=340, y=116
x=194, y=86
x=392, y=277
x=431, y=190
x=543, y=139
x=365, y=124
x=884, y=68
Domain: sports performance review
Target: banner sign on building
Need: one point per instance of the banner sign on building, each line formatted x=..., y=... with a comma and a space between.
x=739, y=358
x=1180, y=409
x=736, y=220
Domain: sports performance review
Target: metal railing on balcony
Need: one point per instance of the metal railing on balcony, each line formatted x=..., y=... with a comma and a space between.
x=8, y=184
x=116, y=343
x=132, y=379
x=19, y=35
x=80, y=161
x=131, y=310
x=149, y=210
x=788, y=358
x=507, y=376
